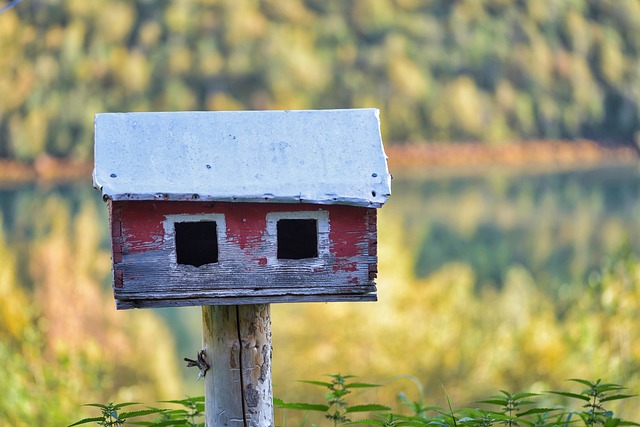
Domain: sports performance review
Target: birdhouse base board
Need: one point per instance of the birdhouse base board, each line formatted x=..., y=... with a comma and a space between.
x=185, y=302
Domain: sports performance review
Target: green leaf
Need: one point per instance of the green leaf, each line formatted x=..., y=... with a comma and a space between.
x=339, y=376
x=187, y=401
x=320, y=383
x=361, y=385
x=369, y=422
x=97, y=405
x=617, y=397
x=367, y=408
x=571, y=395
x=493, y=402
x=86, y=420
x=304, y=406
x=176, y=413
x=603, y=388
x=133, y=414
x=122, y=405
x=584, y=382
x=519, y=396
x=162, y=423
x=537, y=411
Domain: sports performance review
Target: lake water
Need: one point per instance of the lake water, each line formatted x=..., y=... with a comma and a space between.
x=559, y=225
x=499, y=232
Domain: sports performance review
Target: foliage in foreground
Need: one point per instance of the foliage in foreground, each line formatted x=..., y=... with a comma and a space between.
x=506, y=409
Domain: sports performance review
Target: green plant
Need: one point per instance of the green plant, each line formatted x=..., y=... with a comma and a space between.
x=511, y=407
x=508, y=409
x=337, y=408
x=190, y=415
x=111, y=415
x=594, y=397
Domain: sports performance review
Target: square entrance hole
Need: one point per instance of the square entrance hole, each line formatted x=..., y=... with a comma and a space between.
x=196, y=242
x=297, y=238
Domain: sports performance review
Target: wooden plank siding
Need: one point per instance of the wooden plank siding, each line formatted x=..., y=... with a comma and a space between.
x=146, y=272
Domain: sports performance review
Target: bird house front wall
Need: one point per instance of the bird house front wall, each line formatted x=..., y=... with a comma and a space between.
x=168, y=253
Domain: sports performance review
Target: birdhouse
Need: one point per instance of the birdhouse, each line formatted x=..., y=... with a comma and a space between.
x=248, y=207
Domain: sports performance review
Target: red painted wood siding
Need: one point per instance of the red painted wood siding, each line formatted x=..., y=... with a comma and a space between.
x=145, y=274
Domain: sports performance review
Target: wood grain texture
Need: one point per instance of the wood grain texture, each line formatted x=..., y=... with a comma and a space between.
x=248, y=270
x=237, y=343
x=190, y=302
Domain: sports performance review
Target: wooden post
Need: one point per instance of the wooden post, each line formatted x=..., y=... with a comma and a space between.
x=237, y=344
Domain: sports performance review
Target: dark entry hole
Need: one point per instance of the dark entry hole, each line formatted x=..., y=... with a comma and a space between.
x=297, y=238
x=196, y=242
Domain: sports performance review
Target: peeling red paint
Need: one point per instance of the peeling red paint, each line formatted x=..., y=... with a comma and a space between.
x=348, y=231
x=345, y=266
x=118, y=278
x=142, y=229
x=138, y=226
x=141, y=225
x=117, y=251
x=246, y=224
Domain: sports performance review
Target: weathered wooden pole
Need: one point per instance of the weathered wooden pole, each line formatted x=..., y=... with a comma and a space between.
x=237, y=344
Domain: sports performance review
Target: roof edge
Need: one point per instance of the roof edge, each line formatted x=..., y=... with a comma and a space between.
x=266, y=198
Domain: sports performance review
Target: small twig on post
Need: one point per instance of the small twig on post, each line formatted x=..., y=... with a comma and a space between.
x=200, y=362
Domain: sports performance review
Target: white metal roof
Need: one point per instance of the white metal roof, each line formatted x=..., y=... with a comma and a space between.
x=314, y=156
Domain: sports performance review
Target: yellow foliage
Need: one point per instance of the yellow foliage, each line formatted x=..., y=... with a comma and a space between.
x=47, y=69
x=406, y=78
x=291, y=11
x=505, y=95
x=115, y=20
x=222, y=102
x=180, y=60
x=465, y=104
x=372, y=16
x=55, y=36
x=245, y=23
x=612, y=60
x=74, y=38
x=65, y=342
x=443, y=330
x=300, y=54
x=178, y=16
x=210, y=63
x=14, y=306
x=150, y=33
x=296, y=67
x=130, y=68
x=29, y=136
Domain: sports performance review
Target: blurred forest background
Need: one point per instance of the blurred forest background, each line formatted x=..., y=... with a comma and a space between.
x=481, y=70
x=495, y=277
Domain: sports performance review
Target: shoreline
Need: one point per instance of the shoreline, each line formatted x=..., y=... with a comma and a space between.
x=423, y=158
x=579, y=153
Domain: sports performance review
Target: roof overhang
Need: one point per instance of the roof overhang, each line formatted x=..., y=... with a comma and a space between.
x=307, y=156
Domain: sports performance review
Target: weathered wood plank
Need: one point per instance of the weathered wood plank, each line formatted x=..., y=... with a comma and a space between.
x=240, y=300
x=254, y=325
x=147, y=268
x=222, y=387
x=157, y=277
x=237, y=342
x=252, y=292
